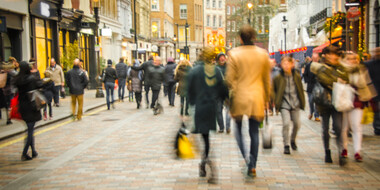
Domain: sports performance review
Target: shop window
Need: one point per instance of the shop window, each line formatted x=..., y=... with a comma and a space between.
x=155, y=29
x=183, y=11
x=155, y=5
x=43, y=39
x=84, y=49
x=7, y=46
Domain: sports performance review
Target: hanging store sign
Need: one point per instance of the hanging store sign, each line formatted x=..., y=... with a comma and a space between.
x=353, y=14
x=3, y=24
x=44, y=9
x=107, y=32
x=154, y=48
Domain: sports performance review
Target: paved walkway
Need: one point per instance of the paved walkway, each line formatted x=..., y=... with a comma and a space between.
x=128, y=148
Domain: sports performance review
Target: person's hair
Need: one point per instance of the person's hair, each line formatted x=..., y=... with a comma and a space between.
x=151, y=57
x=208, y=55
x=24, y=71
x=331, y=50
x=109, y=62
x=81, y=60
x=247, y=34
x=12, y=59
x=183, y=63
x=121, y=60
x=287, y=58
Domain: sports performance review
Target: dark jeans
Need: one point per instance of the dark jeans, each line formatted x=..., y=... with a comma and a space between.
x=155, y=95
x=337, y=127
x=30, y=139
x=312, y=106
x=254, y=135
x=147, y=87
x=171, y=92
x=219, y=116
x=121, y=83
x=184, y=105
x=57, y=90
x=50, y=109
x=138, y=97
x=376, y=119
x=109, y=92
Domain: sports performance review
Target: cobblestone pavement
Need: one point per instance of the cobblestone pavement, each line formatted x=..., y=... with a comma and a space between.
x=126, y=148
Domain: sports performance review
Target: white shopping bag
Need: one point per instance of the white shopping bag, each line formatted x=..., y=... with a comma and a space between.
x=343, y=96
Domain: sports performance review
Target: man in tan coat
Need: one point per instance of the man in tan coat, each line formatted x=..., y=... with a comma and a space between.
x=57, y=77
x=248, y=77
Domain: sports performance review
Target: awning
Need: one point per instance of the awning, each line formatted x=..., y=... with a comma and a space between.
x=321, y=47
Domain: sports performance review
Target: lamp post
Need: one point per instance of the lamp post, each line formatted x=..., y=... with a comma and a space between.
x=134, y=17
x=186, y=47
x=249, y=5
x=175, y=47
x=99, y=88
x=177, y=41
x=284, y=26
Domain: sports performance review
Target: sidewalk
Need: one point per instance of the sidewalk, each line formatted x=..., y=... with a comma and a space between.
x=59, y=113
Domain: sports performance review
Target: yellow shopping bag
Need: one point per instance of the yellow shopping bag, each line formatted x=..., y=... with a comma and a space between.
x=368, y=115
x=185, y=148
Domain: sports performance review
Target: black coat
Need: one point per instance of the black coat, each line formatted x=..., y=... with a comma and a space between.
x=309, y=78
x=76, y=80
x=110, y=75
x=374, y=72
x=205, y=98
x=156, y=77
x=169, y=71
x=121, y=70
x=49, y=90
x=145, y=67
x=25, y=85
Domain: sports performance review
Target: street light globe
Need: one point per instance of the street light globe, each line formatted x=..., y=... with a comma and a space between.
x=250, y=5
x=284, y=22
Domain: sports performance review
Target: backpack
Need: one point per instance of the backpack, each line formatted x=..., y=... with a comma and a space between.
x=321, y=96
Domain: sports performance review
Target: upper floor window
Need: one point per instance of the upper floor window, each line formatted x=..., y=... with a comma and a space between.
x=228, y=10
x=208, y=3
x=208, y=20
x=220, y=4
x=214, y=21
x=183, y=11
x=213, y=3
x=220, y=21
x=233, y=10
x=155, y=5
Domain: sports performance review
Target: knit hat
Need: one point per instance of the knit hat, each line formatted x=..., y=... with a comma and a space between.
x=170, y=59
x=220, y=54
x=109, y=62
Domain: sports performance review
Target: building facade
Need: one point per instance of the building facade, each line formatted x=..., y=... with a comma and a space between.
x=215, y=23
x=143, y=29
x=125, y=18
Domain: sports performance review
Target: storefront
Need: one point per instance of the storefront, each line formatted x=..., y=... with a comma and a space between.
x=10, y=35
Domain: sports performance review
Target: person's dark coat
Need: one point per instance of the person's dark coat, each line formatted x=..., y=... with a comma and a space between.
x=121, y=70
x=49, y=90
x=156, y=77
x=25, y=83
x=110, y=75
x=136, y=78
x=279, y=89
x=205, y=98
x=76, y=80
x=309, y=78
x=374, y=72
x=169, y=71
x=145, y=67
x=180, y=77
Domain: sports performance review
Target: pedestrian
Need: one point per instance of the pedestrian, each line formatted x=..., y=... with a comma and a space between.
x=248, y=77
x=156, y=78
x=6, y=94
x=181, y=72
x=289, y=99
x=145, y=67
x=205, y=87
x=222, y=64
x=310, y=80
x=34, y=70
x=171, y=83
x=136, y=78
x=26, y=82
x=58, y=78
x=48, y=93
x=76, y=81
x=109, y=83
x=374, y=69
x=275, y=71
x=327, y=73
x=121, y=72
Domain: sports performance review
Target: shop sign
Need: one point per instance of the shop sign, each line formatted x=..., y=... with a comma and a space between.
x=107, y=32
x=154, y=48
x=353, y=14
x=45, y=9
x=3, y=24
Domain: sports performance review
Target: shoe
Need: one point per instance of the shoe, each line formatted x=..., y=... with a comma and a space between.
x=328, y=156
x=293, y=145
x=344, y=153
x=342, y=161
x=317, y=119
x=9, y=122
x=220, y=131
x=73, y=117
x=138, y=105
x=45, y=116
x=26, y=157
x=358, y=158
x=34, y=154
x=310, y=117
x=251, y=172
x=202, y=169
x=50, y=117
x=286, y=150
x=56, y=105
x=228, y=131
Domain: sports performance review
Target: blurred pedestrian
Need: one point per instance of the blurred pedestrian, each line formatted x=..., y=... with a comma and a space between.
x=310, y=80
x=205, y=87
x=109, y=83
x=76, y=81
x=156, y=79
x=289, y=99
x=221, y=62
x=145, y=67
x=136, y=78
x=275, y=71
x=248, y=77
x=170, y=82
x=327, y=73
x=34, y=70
x=26, y=82
x=374, y=69
x=58, y=78
x=121, y=72
x=48, y=93
x=181, y=72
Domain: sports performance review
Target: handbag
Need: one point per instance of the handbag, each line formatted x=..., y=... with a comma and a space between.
x=183, y=146
x=14, y=113
x=129, y=86
x=368, y=115
x=343, y=96
x=3, y=79
x=37, y=100
x=63, y=93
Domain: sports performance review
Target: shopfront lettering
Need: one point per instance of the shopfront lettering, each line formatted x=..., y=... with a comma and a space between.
x=45, y=9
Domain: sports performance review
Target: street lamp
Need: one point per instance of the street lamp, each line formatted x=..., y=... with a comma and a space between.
x=249, y=5
x=186, y=47
x=99, y=88
x=284, y=26
x=175, y=47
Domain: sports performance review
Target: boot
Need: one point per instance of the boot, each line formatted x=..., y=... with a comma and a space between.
x=213, y=178
x=202, y=169
x=328, y=156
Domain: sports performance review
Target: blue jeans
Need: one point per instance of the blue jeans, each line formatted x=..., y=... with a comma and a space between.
x=219, y=116
x=312, y=106
x=254, y=135
x=30, y=139
x=109, y=89
x=121, y=88
x=171, y=92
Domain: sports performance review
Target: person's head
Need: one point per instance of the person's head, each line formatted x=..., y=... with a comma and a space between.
x=109, y=62
x=331, y=55
x=121, y=60
x=14, y=62
x=375, y=52
x=307, y=59
x=272, y=63
x=151, y=58
x=76, y=62
x=221, y=59
x=33, y=63
x=315, y=57
x=157, y=61
x=81, y=63
x=208, y=55
x=52, y=62
x=351, y=58
x=24, y=68
x=170, y=60
x=184, y=62
x=287, y=64
x=247, y=35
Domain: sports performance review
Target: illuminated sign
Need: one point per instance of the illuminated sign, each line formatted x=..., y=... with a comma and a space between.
x=107, y=32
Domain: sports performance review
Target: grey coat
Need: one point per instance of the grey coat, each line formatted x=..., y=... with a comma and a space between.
x=121, y=70
x=156, y=77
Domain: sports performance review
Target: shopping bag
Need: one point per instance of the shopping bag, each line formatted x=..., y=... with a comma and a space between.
x=368, y=115
x=37, y=99
x=343, y=96
x=266, y=132
x=3, y=80
x=183, y=146
x=14, y=113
